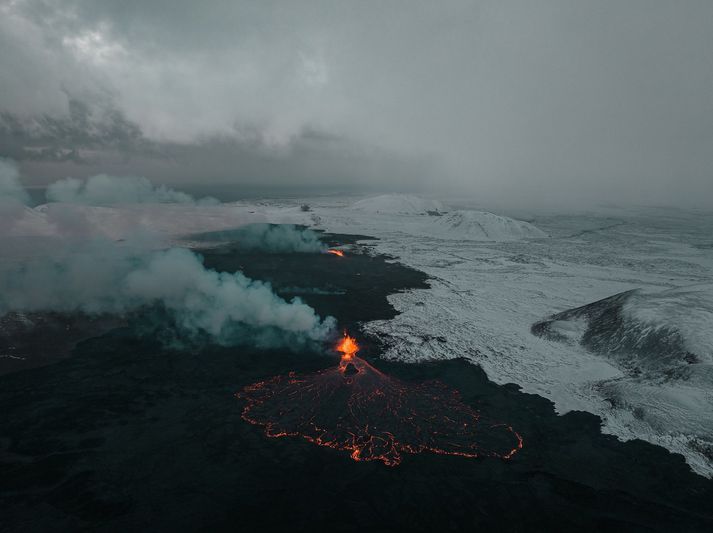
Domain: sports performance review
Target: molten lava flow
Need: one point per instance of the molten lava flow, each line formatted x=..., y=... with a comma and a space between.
x=333, y=251
x=357, y=408
x=349, y=348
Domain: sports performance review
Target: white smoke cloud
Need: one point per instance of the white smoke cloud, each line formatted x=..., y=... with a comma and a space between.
x=273, y=238
x=102, y=277
x=12, y=195
x=113, y=207
x=110, y=190
x=75, y=272
x=11, y=189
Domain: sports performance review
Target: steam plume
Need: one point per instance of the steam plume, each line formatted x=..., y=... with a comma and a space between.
x=102, y=277
x=10, y=187
x=99, y=276
x=273, y=238
x=12, y=195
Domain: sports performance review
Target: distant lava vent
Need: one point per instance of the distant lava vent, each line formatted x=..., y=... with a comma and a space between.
x=356, y=408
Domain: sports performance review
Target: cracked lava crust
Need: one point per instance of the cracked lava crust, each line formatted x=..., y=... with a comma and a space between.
x=357, y=408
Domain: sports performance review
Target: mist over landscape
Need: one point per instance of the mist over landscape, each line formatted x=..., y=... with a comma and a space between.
x=339, y=265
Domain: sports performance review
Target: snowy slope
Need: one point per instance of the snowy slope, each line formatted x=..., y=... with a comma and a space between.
x=685, y=313
x=402, y=204
x=663, y=344
x=409, y=215
x=649, y=331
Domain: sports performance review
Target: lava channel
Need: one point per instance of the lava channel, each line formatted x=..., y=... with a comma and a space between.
x=334, y=251
x=356, y=408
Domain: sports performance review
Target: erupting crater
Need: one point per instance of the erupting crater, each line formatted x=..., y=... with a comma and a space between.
x=334, y=251
x=359, y=409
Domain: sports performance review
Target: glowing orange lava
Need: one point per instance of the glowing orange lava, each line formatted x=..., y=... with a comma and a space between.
x=333, y=251
x=357, y=408
x=349, y=348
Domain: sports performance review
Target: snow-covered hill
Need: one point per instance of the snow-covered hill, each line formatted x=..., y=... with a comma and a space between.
x=406, y=213
x=483, y=226
x=663, y=344
x=654, y=331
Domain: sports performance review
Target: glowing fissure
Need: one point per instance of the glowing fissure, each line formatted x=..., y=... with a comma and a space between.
x=356, y=408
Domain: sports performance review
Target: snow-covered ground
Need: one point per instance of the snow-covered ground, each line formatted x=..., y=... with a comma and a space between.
x=493, y=277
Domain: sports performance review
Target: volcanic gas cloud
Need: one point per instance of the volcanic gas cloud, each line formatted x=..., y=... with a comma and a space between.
x=356, y=408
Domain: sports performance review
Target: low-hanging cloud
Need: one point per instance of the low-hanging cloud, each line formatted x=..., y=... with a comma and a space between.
x=111, y=207
x=519, y=101
x=109, y=190
x=205, y=305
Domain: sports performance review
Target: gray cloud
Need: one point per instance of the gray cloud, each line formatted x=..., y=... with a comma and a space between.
x=310, y=160
x=65, y=138
x=516, y=100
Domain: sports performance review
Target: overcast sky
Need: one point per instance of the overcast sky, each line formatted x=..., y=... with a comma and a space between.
x=541, y=101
